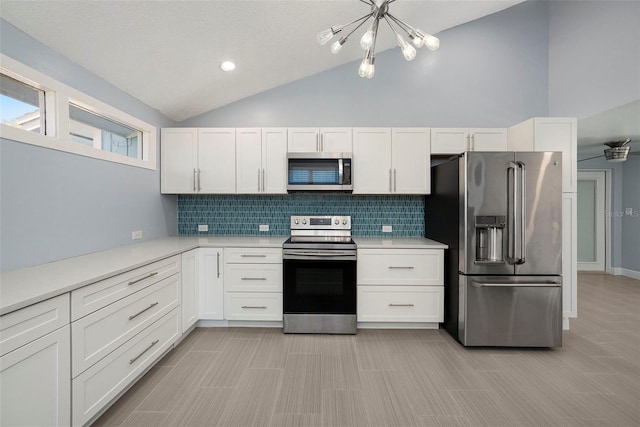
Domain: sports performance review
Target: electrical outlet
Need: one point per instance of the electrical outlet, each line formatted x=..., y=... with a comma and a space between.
x=264, y=227
x=628, y=211
x=387, y=228
x=135, y=235
x=203, y=227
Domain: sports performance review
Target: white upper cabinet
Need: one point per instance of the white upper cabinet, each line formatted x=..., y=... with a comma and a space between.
x=458, y=140
x=550, y=134
x=391, y=161
x=330, y=140
x=261, y=160
x=198, y=161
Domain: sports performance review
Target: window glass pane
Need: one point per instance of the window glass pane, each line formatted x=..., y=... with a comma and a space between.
x=90, y=129
x=21, y=105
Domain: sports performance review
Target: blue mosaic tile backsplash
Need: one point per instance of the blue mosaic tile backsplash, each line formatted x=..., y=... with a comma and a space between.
x=241, y=215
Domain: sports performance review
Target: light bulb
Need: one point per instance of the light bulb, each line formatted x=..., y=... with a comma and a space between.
x=432, y=42
x=364, y=65
x=408, y=51
x=367, y=39
x=367, y=68
x=371, y=70
x=335, y=47
x=324, y=36
x=417, y=37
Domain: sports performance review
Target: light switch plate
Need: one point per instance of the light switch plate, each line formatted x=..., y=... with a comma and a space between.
x=628, y=211
x=203, y=227
x=264, y=227
x=135, y=235
x=387, y=228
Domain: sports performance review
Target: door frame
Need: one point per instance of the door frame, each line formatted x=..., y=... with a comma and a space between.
x=607, y=218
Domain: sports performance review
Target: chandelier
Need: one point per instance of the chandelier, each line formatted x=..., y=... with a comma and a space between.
x=379, y=11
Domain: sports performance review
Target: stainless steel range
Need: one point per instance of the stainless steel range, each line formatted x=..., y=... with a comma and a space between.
x=320, y=276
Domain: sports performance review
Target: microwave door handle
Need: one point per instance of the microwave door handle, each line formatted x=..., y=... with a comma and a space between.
x=340, y=172
x=523, y=213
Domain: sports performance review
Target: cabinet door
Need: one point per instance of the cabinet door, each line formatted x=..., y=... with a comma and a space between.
x=303, y=140
x=336, y=140
x=36, y=382
x=179, y=160
x=489, y=139
x=274, y=161
x=559, y=134
x=371, y=169
x=449, y=140
x=249, y=161
x=411, y=161
x=190, y=291
x=569, y=255
x=210, y=280
x=216, y=160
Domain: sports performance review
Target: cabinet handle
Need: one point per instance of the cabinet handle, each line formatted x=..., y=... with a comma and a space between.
x=400, y=267
x=401, y=305
x=390, y=182
x=317, y=143
x=254, y=306
x=133, y=282
x=321, y=142
x=253, y=278
x=194, y=181
x=133, y=316
x=199, y=186
x=131, y=361
x=263, y=186
x=395, y=180
x=258, y=180
x=218, y=263
x=252, y=256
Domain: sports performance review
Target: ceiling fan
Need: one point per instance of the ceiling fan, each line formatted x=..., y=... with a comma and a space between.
x=617, y=151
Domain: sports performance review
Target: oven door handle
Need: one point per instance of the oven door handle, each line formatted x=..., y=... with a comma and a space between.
x=320, y=254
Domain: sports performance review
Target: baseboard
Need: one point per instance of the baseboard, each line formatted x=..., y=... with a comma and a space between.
x=618, y=271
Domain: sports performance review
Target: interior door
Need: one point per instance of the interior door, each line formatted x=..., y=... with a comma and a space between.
x=591, y=220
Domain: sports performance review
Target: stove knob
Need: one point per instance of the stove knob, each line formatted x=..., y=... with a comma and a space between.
x=304, y=221
x=296, y=221
x=344, y=221
x=337, y=221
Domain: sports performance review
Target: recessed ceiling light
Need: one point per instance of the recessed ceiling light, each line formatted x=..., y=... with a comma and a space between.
x=227, y=66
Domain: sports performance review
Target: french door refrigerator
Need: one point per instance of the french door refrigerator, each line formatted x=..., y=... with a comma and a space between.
x=501, y=215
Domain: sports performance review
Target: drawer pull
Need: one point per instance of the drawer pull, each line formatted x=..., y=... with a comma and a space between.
x=254, y=306
x=133, y=316
x=253, y=278
x=253, y=256
x=142, y=278
x=132, y=361
x=408, y=267
x=401, y=305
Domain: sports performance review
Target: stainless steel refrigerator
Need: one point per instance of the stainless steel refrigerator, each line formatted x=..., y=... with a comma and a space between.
x=501, y=215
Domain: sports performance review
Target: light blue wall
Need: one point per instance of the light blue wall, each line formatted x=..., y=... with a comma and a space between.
x=631, y=224
x=488, y=73
x=55, y=205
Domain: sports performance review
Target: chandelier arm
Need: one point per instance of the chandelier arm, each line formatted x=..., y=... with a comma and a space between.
x=364, y=19
x=391, y=26
x=406, y=27
x=375, y=38
x=368, y=2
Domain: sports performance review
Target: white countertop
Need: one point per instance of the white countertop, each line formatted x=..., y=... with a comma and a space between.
x=397, y=243
x=20, y=288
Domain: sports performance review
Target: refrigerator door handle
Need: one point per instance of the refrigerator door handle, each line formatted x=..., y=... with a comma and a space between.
x=548, y=284
x=512, y=217
x=523, y=214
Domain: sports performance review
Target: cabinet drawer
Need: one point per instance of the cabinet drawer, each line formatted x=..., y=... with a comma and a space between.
x=253, y=255
x=100, y=333
x=401, y=267
x=400, y=303
x=95, y=296
x=98, y=385
x=253, y=277
x=252, y=306
x=27, y=324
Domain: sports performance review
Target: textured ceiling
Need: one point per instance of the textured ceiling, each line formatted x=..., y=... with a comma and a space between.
x=167, y=53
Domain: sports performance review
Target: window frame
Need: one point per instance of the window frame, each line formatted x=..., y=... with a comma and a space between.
x=58, y=96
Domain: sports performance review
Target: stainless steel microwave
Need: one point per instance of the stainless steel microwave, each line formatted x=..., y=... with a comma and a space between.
x=319, y=172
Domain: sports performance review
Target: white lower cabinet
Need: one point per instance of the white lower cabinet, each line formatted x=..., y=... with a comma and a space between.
x=401, y=285
x=98, y=385
x=253, y=284
x=35, y=382
x=210, y=283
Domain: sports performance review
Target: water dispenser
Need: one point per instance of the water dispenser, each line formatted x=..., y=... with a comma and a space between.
x=489, y=230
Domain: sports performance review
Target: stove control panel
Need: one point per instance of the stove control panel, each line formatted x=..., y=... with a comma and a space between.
x=322, y=222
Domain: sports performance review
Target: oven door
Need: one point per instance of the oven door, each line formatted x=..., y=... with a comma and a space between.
x=319, y=286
